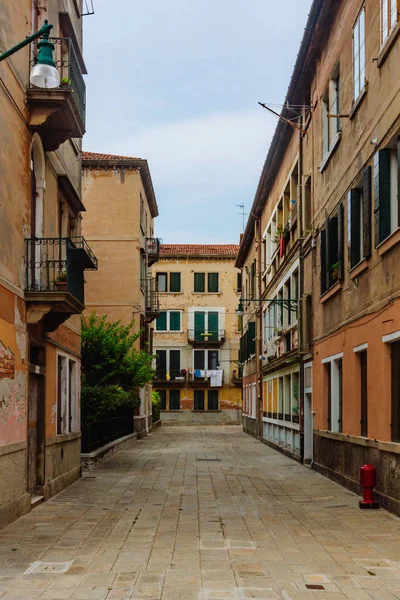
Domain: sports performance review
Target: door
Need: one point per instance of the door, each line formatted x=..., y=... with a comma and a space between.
x=36, y=430
x=213, y=326
x=199, y=326
x=161, y=364
x=395, y=424
x=308, y=415
x=174, y=363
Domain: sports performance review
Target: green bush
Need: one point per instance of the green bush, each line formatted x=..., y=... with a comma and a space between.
x=155, y=401
x=100, y=402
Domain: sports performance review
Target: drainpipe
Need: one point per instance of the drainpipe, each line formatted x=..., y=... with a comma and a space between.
x=300, y=303
x=259, y=337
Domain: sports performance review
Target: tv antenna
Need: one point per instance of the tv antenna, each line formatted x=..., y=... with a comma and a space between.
x=244, y=214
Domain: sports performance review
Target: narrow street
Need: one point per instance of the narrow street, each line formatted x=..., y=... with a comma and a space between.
x=202, y=513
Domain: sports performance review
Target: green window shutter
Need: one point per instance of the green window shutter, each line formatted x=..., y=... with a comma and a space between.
x=212, y=400
x=199, y=282
x=175, y=282
x=199, y=359
x=213, y=325
x=332, y=239
x=163, y=399
x=161, y=322
x=199, y=325
x=398, y=182
x=340, y=241
x=366, y=211
x=322, y=247
x=174, y=363
x=213, y=282
x=355, y=220
x=382, y=195
x=161, y=364
x=174, y=400
x=251, y=338
x=239, y=282
x=174, y=320
x=198, y=399
x=253, y=279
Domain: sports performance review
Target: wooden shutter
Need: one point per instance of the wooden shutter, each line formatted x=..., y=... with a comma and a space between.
x=251, y=338
x=239, y=282
x=340, y=251
x=332, y=243
x=322, y=247
x=199, y=282
x=355, y=221
x=174, y=363
x=161, y=323
x=213, y=282
x=366, y=211
x=398, y=180
x=175, y=282
x=174, y=320
x=198, y=399
x=382, y=195
x=161, y=364
x=199, y=326
x=212, y=327
x=199, y=359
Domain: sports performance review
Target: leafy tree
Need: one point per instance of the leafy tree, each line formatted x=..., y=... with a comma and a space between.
x=155, y=401
x=113, y=370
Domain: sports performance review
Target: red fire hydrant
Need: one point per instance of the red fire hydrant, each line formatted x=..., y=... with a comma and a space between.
x=368, y=481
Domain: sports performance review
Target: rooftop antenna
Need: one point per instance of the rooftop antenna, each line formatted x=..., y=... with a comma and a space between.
x=244, y=214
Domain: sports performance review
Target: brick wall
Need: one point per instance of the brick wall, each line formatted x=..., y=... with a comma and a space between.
x=7, y=363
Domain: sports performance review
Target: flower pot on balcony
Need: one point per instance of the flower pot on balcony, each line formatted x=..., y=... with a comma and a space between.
x=61, y=285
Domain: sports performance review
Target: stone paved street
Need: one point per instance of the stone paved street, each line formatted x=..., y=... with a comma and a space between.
x=196, y=513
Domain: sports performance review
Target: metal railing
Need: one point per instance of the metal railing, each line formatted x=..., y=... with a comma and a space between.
x=98, y=434
x=58, y=264
x=162, y=374
x=206, y=335
x=153, y=248
x=149, y=287
x=71, y=77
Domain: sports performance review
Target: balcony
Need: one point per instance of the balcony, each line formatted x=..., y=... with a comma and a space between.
x=152, y=302
x=55, y=284
x=174, y=376
x=152, y=250
x=211, y=337
x=59, y=114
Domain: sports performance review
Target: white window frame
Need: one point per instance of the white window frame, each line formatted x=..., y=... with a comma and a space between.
x=71, y=421
x=335, y=391
x=206, y=351
x=359, y=54
x=388, y=18
x=168, y=330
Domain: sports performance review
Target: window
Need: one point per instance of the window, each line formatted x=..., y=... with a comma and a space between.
x=198, y=399
x=199, y=282
x=168, y=364
x=389, y=17
x=307, y=209
x=247, y=342
x=239, y=283
x=143, y=271
x=142, y=214
x=362, y=357
x=386, y=211
x=161, y=365
x=330, y=113
x=174, y=282
x=333, y=367
x=169, y=320
x=254, y=400
x=359, y=220
x=162, y=280
x=67, y=397
x=253, y=279
x=359, y=55
x=331, y=250
x=174, y=400
x=206, y=360
x=213, y=403
x=206, y=326
x=212, y=283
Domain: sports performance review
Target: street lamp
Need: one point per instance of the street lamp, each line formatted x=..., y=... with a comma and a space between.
x=44, y=73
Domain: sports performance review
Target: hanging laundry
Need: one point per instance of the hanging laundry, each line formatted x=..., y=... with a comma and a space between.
x=197, y=373
x=216, y=378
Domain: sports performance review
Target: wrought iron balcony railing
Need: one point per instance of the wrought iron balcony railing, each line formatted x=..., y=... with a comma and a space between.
x=206, y=336
x=57, y=265
x=171, y=375
x=153, y=250
x=152, y=301
x=71, y=77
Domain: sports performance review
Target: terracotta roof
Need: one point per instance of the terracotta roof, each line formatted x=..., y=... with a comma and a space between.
x=100, y=156
x=99, y=160
x=222, y=250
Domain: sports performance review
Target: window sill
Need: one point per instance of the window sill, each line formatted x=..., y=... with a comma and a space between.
x=195, y=410
x=389, y=243
x=331, y=151
x=333, y=290
x=359, y=268
x=384, y=51
x=207, y=293
x=357, y=103
x=168, y=293
x=169, y=331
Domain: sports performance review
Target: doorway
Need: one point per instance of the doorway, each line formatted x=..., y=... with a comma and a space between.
x=36, y=421
x=308, y=415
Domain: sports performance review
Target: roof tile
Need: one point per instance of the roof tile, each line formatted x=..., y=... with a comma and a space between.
x=100, y=156
x=228, y=250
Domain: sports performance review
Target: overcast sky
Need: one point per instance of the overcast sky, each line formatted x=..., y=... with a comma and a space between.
x=178, y=83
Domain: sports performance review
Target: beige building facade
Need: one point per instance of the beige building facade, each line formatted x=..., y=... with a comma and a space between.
x=196, y=336
x=42, y=258
x=119, y=222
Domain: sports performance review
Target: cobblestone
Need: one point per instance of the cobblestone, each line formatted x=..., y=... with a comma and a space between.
x=164, y=521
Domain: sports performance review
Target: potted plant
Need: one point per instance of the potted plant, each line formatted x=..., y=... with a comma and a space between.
x=65, y=82
x=61, y=281
x=278, y=233
x=335, y=271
